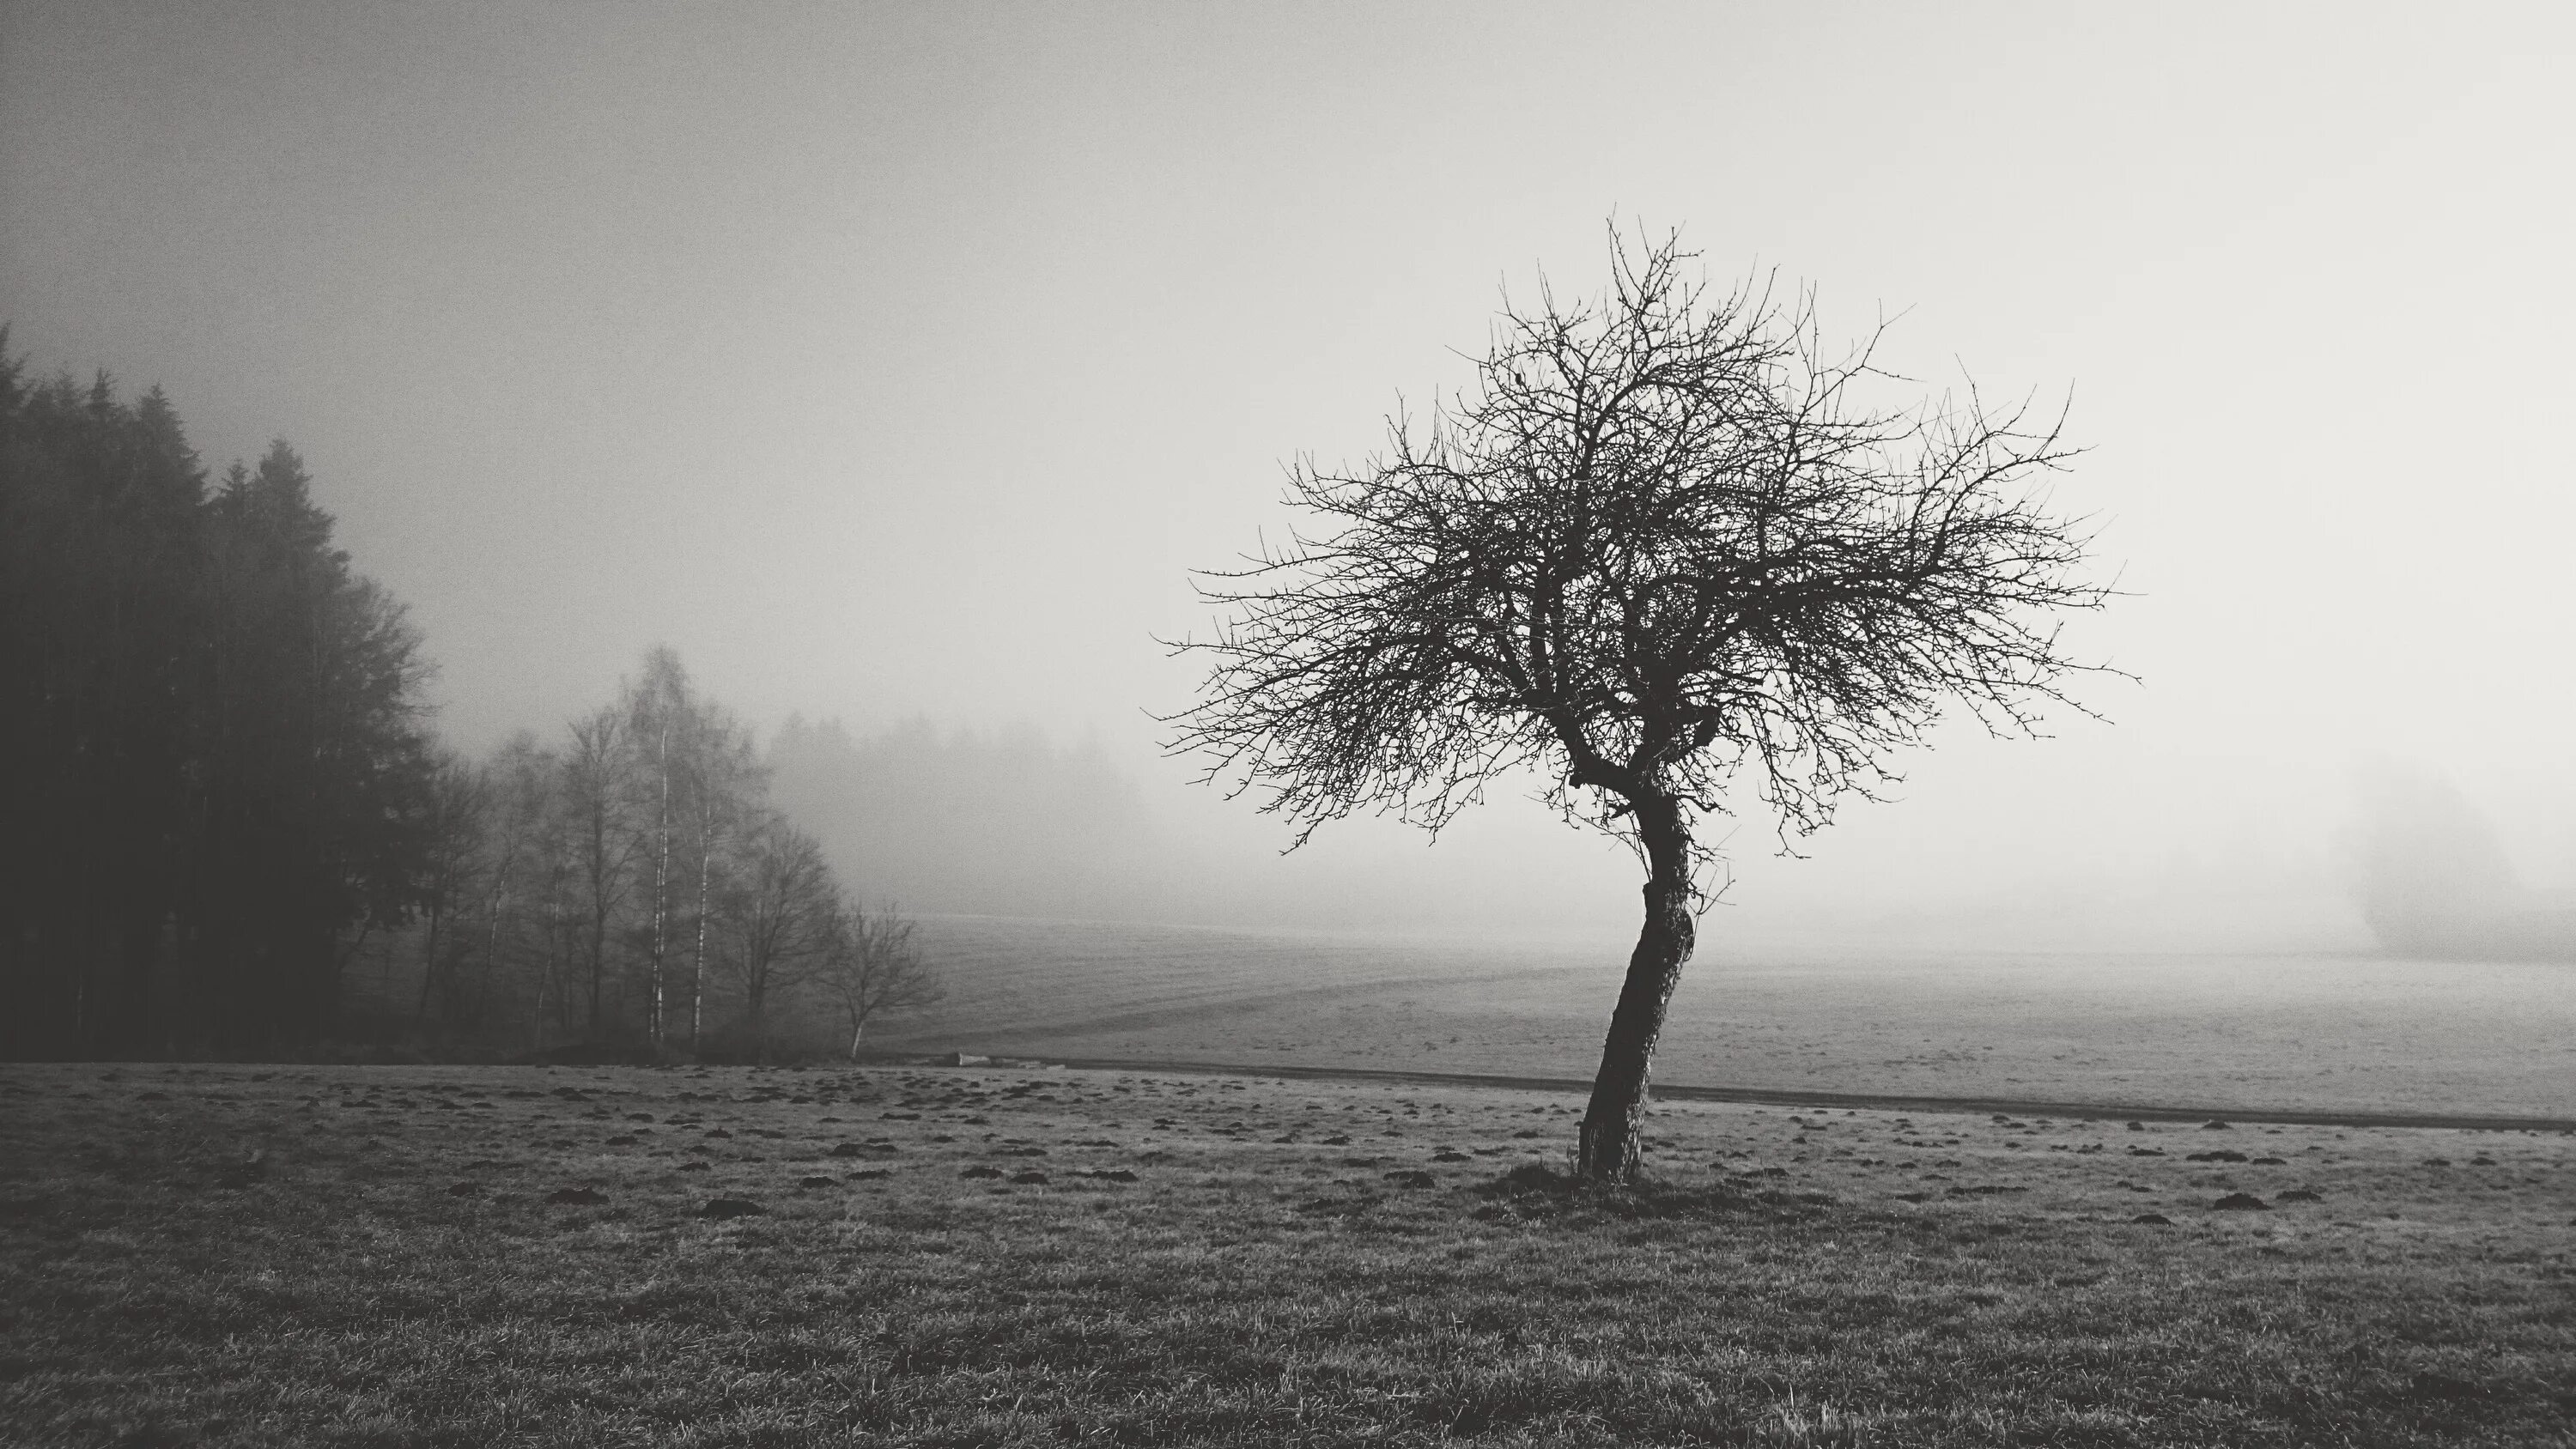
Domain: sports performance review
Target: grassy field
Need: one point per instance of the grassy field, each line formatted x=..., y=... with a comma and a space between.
x=978, y=1256
x=2284, y=1031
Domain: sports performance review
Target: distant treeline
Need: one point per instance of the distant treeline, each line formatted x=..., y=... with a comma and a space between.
x=213, y=768
x=980, y=823
x=2436, y=882
x=228, y=829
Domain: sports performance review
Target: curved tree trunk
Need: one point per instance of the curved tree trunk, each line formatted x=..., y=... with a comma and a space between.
x=1609, y=1147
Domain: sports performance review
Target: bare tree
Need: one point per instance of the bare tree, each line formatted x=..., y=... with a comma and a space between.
x=1663, y=545
x=456, y=821
x=780, y=909
x=661, y=713
x=871, y=968
x=528, y=874
x=722, y=784
x=694, y=781
x=595, y=793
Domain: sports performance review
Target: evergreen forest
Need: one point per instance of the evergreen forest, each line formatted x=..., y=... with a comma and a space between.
x=228, y=827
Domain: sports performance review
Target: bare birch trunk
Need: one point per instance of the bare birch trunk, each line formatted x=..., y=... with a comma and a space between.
x=698, y=966
x=661, y=882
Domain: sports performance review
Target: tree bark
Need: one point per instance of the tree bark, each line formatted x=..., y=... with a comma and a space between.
x=1609, y=1147
x=430, y=921
x=661, y=881
x=698, y=962
x=598, y=946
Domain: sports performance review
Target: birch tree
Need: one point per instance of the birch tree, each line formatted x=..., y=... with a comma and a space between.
x=722, y=787
x=660, y=722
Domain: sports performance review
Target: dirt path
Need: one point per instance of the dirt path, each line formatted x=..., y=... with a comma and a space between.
x=1854, y=1100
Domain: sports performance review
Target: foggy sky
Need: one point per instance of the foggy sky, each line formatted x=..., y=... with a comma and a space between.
x=896, y=361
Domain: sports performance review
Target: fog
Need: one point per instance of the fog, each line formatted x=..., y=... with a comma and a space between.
x=896, y=365
x=1010, y=822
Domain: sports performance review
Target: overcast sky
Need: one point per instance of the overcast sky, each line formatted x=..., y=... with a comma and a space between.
x=902, y=359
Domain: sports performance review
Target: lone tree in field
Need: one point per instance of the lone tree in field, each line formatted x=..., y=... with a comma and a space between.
x=1663, y=545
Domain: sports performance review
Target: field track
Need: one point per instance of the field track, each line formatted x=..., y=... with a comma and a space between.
x=1857, y=1101
x=2283, y=1038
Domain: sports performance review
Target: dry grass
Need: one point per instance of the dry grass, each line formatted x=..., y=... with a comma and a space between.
x=367, y=1256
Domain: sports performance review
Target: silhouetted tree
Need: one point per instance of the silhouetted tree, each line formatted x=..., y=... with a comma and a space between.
x=1663, y=544
x=538, y=919
x=722, y=787
x=595, y=867
x=870, y=968
x=208, y=734
x=597, y=798
x=695, y=781
x=314, y=765
x=99, y=515
x=659, y=710
x=462, y=848
x=779, y=910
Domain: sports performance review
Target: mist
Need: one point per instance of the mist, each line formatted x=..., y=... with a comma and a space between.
x=2377, y=855
x=2433, y=877
x=1007, y=822
x=897, y=366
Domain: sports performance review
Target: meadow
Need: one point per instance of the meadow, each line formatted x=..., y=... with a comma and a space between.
x=907, y=1255
x=2289, y=1031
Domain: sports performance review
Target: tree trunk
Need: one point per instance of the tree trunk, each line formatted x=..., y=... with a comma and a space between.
x=597, y=965
x=492, y=935
x=428, y=960
x=661, y=883
x=698, y=962
x=1609, y=1147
